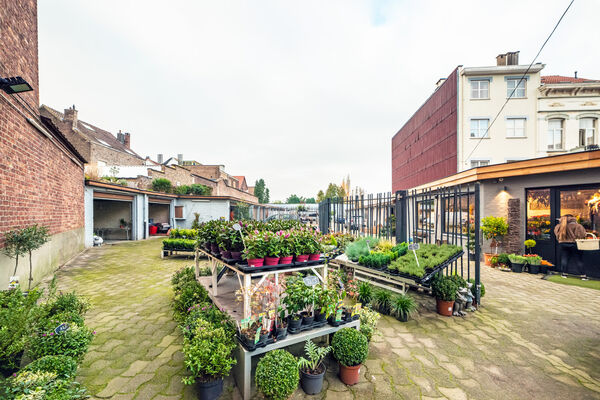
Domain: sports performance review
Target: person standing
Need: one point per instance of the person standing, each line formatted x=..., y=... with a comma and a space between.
x=567, y=231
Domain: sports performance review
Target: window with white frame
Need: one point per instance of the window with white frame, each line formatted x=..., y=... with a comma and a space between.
x=587, y=131
x=479, y=127
x=555, y=134
x=515, y=127
x=479, y=163
x=516, y=85
x=480, y=89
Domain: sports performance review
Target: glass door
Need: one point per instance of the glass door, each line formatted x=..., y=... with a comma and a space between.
x=540, y=224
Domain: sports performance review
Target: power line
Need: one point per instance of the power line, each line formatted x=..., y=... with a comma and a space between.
x=520, y=80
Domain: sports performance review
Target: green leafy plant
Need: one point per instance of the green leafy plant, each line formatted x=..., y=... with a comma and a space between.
x=403, y=306
x=529, y=243
x=63, y=366
x=200, y=190
x=314, y=364
x=33, y=385
x=360, y=248
x=15, y=245
x=277, y=375
x=206, y=312
x=179, y=244
x=182, y=277
x=208, y=353
x=382, y=300
x=190, y=294
x=474, y=289
x=494, y=228
x=162, y=185
x=350, y=347
x=429, y=255
x=73, y=343
x=368, y=322
x=503, y=259
x=533, y=259
x=444, y=288
x=517, y=259
x=365, y=293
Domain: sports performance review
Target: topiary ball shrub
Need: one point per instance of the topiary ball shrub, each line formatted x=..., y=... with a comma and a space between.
x=350, y=347
x=63, y=366
x=277, y=375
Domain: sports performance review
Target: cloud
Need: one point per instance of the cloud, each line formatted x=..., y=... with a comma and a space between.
x=297, y=93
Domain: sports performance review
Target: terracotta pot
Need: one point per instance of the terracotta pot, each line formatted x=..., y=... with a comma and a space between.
x=314, y=257
x=349, y=375
x=236, y=255
x=444, y=307
x=271, y=260
x=286, y=260
x=256, y=262
x=487, y=257
x=302, y=258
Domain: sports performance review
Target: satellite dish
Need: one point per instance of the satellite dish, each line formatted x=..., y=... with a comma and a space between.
x=237, y=227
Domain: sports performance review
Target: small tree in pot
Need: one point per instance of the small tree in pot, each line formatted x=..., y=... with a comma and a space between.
x=444, y=290
x=350, y=349
x=208, y=358
x=312, y=371
x=494, y=229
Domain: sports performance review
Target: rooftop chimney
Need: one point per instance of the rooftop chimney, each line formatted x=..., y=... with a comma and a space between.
x=510, y=58
x=71, y=116
x=575, y=74
x=127, y=141
x=124, y=138
x=159, y=158
x=179, y=158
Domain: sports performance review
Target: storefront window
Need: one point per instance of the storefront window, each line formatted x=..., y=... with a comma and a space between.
x=538, y=214
x=465, y=206
x=583, y=204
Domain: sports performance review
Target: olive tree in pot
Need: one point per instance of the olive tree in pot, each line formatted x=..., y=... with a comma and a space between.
x=444, y=290
x=494, y=229
x=277, y=375
x=350, y=349
x=208, y=358
x=312, y=370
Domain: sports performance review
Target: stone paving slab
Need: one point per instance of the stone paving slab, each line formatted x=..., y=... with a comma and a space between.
x=532, y=339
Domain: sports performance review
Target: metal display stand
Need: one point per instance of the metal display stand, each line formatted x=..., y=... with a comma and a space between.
x=242, y=371
x=381, y=279
x=245, y=278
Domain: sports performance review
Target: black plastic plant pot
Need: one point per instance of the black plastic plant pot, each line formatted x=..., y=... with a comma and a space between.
x=281, y=332
x=534, y=269
x=402, y=317
x=264, y=337
x=312, y=384
x=319, y=316
x=544, y=269
x=294, y=323
x=516, y=267
x=307, y=319
x=210, y=390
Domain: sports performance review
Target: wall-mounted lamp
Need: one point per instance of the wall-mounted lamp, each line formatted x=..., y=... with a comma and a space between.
x=505, y=188
x=14, y=85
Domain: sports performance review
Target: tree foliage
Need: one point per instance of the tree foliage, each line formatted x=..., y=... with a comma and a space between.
x=261, y=191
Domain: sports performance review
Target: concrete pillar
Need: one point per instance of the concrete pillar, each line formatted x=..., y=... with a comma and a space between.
x=88, y=206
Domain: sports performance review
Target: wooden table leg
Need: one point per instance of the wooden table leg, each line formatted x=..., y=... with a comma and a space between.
x=214, y=277
x=247, y=285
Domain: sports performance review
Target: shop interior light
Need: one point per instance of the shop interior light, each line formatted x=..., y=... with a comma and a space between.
x=15, y=85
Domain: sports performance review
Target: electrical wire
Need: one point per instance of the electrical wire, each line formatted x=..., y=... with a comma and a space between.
x=517, y=85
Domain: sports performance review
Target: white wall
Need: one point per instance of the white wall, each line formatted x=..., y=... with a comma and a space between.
x=208, y=210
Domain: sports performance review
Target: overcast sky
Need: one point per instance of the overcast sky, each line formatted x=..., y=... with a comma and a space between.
x=298, y=93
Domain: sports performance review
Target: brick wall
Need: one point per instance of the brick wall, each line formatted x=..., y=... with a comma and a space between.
x=112, y=157
x=424, y=149
x=208, y=171
x=513, y=241
x=39, y=182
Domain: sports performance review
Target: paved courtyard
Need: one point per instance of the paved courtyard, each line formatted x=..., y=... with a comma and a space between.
x=532, y=339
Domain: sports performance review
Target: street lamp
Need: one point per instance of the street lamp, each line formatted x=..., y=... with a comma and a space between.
x=14, y=85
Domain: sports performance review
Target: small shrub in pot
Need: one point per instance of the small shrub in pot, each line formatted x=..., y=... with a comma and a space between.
x=444, y=289
x=277, y=375
x=350, y=349
x=403, y=306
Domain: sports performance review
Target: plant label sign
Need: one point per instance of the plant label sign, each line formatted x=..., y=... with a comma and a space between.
x=257, y=336
x=368, y=242
x=338, y=315
x=311, y=280
x=356, y=309
x=413, y=246
x=61, y=328
x=13, y=282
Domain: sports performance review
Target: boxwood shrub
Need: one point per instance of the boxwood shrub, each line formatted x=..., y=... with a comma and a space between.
x=277, y=375
x=350, y=347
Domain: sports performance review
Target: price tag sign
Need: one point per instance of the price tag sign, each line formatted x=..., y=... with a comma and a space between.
x=413, y=246
x=257, y=336
x=311, y=280
x=338, y=315
x=237, y=227
x=61, y=328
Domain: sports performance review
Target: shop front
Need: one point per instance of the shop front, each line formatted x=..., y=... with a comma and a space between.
x=546, y=205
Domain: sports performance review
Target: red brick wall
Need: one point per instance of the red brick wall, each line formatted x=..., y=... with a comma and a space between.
x=39, y=183
x=424, y=149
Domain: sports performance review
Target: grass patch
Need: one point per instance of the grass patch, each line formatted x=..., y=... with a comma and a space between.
x=592, y=284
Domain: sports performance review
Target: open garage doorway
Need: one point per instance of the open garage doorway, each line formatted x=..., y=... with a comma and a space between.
x=159, y=216
x=112, y=219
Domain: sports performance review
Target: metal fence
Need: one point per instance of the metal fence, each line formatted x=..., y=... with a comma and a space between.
x=443, y=215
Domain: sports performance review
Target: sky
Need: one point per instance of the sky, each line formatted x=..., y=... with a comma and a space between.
x=299, y=93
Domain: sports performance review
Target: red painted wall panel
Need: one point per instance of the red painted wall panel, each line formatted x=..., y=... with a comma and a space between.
x=424, y=149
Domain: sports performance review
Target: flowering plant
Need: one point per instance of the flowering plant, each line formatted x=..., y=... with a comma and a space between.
x=256, y=246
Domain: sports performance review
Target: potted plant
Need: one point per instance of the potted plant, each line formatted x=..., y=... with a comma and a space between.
x=403, y=306
x=444, y=290
x=494, y=261
x=314, y=246
x=294, y=301
x=324, y=297
x=517, y=262
x=529, y=244
x=301, y=247
x=312, y=370
x=474, y=290
x=503, y=260
x=281, y=324
x=493, y=228
x=255, y=250
x=287, y=248
x=350, y=349
x=208, y=358
x=382, y=300
x=272, y=248
x=533, y=261
x=122, y=223
x=365, y=293
x=277, y=375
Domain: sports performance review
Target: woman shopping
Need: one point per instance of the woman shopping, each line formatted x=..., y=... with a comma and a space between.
x=567, y=231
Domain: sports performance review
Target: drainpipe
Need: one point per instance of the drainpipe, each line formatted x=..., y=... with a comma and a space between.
x=145, y=216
